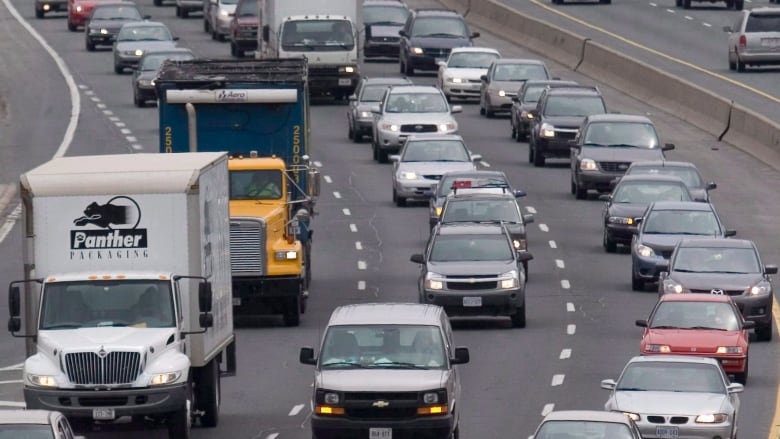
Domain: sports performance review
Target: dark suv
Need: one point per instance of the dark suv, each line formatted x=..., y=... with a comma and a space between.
x=428, y=36
x=383, y=19
x=243, y=28
x=557, y=119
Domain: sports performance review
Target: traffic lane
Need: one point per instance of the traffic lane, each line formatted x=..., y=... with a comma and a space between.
x=678, y=39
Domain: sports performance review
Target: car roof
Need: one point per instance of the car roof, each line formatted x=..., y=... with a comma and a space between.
x=33, y=417
x=386, y=313
x=695, y=298
x=587, y=415
x=613, y=117
x=474, y=49
x=436, y=11
x=680, y=205
x=673, y=359
x=470, y=229
x=145, y=24
x=518, y=61
x=414, y=88
x=650, y=178
x=387, y=80
x=481, y=195
x=384, y=3
x=435, y=137
x=574, y=90
x=717, y=243
x=662, y=163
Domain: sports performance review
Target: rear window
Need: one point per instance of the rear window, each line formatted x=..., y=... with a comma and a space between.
x=763, y=23
x=574, y=106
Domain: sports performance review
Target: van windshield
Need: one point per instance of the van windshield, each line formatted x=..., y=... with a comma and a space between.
x=383, y=346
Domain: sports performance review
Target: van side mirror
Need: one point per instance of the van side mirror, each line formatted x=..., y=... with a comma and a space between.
x=770, y=269
x=206, y=320
x=306, y=356
x=266, y=33
x=204, y=297
x=730, y=232
x=14, y=301
x=461, y=356
x=605, y=197
x=662, y=266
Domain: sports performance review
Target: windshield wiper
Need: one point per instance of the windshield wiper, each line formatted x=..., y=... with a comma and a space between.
x=666, y=327
x=707, y=327
x=440, y=34
x=631, y=389
x=385, y=23
x=64, y=326
x=592, y=144
x=399, y=364
x=344, y=363
x=622, y=145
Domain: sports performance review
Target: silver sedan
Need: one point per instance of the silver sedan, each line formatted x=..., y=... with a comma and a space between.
x=422, y=162
x=674, y=396
x=137, y=38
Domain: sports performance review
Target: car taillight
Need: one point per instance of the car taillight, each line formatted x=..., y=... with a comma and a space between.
x=742, y=41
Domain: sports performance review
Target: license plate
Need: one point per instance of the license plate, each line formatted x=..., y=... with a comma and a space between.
x=472, y=301
x=345, y=81
x=667, y=432
x=236, y=301
x=770, y=42
x=103, y=414
x=380, y=433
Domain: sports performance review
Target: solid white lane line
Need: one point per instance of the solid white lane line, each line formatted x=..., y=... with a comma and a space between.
x=565, y=284
x=361, y=285
x=327, y=179
x=12, y=367
x=346, y=212
x=571, y=329
x=353, y=228
x=557, y=380
x=11, y=382
x=295, y=410
x=336, y=195
x=362, y=265
x=553, y=244
x=559, y=263
x=530, y=209
x=570, y=307
x=358, y=245
x=547, y=409
x=565, y=354
x=10, y=220
x=544, y=228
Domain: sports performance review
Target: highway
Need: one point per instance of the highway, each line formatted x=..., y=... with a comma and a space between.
x=581, y=309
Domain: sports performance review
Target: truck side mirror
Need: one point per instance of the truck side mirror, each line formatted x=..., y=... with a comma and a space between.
x=266, y=33
x=528, y=218
x=524, y=256
x=461, y=356
x=204, y=297
x=314, y=182
x=206, y=320
x=14, y=301
x=306, y=356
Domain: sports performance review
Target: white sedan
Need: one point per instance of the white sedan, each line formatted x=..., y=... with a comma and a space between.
x=460, y=75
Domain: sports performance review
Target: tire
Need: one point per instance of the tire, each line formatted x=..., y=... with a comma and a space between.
x=580, y=192
x=530, y=152
x=481, y=108
x=90, y=46
x=742, y=377
x=732, y=65
x=239, y=53
x=490, y=114
x=307, y=256
x=38, y=13
x=185, y=13
x=180, y=422
x=233, y=51
x=214, y=35
x=209, y=396
x=518, y=318
x=678, y=3
x=538, y=159
x=514, y=132
x=456, y=432
x=382, y=156
x=356, y=135
x=178, y=11
x=374, y=150
x=399, y=201
x=609, y=245
x=138, y=101
x=740, y=65
x=686, y=4
x=292, y=316
x=637, y=284
x=408, y=69
x=739, y=5
x=206, y=27
x=525, y=269
x=605, y=2
x=764, y=333
x=520, y=136
x=118, y=69
x=72, y=27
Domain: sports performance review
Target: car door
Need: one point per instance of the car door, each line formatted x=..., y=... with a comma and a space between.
x=453, y=386
x=484, y=83
x=404, y=46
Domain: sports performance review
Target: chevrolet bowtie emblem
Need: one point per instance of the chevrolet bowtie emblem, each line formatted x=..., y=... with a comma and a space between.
x=380, y=404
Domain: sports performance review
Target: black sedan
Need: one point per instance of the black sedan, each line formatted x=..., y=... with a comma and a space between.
x=685, y=170
x=525, y=101
x=148, y=67
x=106, y=19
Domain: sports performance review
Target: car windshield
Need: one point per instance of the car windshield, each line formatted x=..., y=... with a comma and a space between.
x=26, y=431
x=229, y=2
x=519, y=72
x=647, y=192
x=532, y=93
x=144, y=33
x=90, y=304
x=499, y=209
x=670, y=376
x=471, y=60
x=154, y=61
x=247, y=8
x=453, y=248
x=435, y=151
x=681, y=222
x=583, y=430
x=116, y=13
x=383, y=346
x=476, y=183
x=716, y=260
x=695, y=315
x=439, y=27
x=373, y=93
x=416, y=103
x=317, y=35
x=384, y=14
x=687, y=174
x=621, y=134
x=763, y=23
x=574, y=106
x=256, y=184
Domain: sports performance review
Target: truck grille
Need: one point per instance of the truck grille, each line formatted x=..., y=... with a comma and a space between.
x=400, y=405
x=619, y=167
x=419, y=128
x=88, y=368
x=323, y=71
x=247, y=247
x=468, y=286
x=437, y=53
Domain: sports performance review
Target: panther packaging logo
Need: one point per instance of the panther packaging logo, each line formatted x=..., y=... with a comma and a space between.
x=109, y=231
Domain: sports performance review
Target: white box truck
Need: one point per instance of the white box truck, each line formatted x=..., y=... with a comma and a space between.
x=327, y=32
x=126, y=299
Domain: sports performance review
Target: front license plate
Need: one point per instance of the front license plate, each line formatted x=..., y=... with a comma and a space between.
x=380, y=433
x=236, y=301
x=667, y=432
x=102, y=414
x=345, y=81
x=472, y=301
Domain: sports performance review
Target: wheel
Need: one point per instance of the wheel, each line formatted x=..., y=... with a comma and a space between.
x=520, y=136
x=374, y=150
x=233, y=51
x=739, y=5
x=609, y=245
x=206, y=26
x=525, y=269
x=514, y=132
x=605, y=2
x=185, y=13
x=178, y=11
x=678, y=3
x=118, y=69
x=456, y=432
x=157, y=2
x=518, y=318
x=743, y=376
x=239, y=53
x=307, y=258
x=580, y=192
x=180, y=422
x=481, y=108
x=764, y=333
x=38, y=13
x=382, y=156
x=740, y=65
x=637, y=284
x=214, y=35
x=732, y=65
x=408, y=69
x=399, y=201
x=489, y=113
x=686, y=4
x=292, y=316
x=89, y=45
x=72, y=27
x=538, y=158
x=209, y=394
x=138, y=101
x=530, y=152
x=729, y=4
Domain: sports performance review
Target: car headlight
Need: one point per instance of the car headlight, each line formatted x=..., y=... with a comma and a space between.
x=510, y=279
x=347, y=69
x=526, y=115
x=671, y=286
x=658, y=348
x=431, y=397
x=365, y=114
x=417, y=50
x=223, y=13
x=164, y=378
x=145, y=82
x=331, y=398
x=547, y=130
x=621, y=220
x=42, y=380
x=103, y=31
x=729, y=350
x=438, y=211
x=762, y=287
x=389, y=126
x=449, y=126
x=715, y=418
x=520, y=244
x=634, y=416
x=286, y=255
x=644, y=251
x=434, y=281
x=138, y=52
x=79, y=8
x=455, y=80
x=153, y=82
x=588, y=165
x=502, y=93
x=407, y=175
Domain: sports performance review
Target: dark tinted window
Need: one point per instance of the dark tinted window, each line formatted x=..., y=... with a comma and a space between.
x=716, y=260
x=621, y=134
x=416, y=103
x=439, y=27
x=532, y=93
x=117, y=12
x=153, y=61
x=763, y=23
x=451, y=248
x=255, y=185
x=144, y=33
x=322, y=35
x=384, y=14
x=574, y=106
x=383, y=346
x=373, y=93
x=247, y=8
x=519, y=72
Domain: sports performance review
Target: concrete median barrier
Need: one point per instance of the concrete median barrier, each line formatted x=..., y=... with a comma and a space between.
x=754, y=133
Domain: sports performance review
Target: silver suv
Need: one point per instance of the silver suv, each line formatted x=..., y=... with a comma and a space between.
x=754, y=39
x=389, y=369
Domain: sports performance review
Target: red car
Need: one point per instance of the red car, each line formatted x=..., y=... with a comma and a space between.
x=78, y=12
x=704, y=325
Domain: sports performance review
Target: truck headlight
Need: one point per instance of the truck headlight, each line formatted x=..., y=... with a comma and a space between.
x=547, y=130
x=715, y=418
x=430, y=397
x=164, y=378
x=286, y=255
x=417, y=50
x=331, y=398
x=42, y=380
x=671, y=286
x=658, y=348
x=407, y=175
x=434, y=281
x=444, y=127
x=347, y=69
x=510, y=279
x=729, y=350
x=762, y=287
x=389, y=126
x=644, y=251
x=588, y=165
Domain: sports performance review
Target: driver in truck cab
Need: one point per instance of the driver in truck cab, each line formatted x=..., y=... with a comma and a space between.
x=263, y=186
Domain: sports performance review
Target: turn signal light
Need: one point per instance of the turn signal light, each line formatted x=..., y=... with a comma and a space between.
x=328, y=410
x=432, y=410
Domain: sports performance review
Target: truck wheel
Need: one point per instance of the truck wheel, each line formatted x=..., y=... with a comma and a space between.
x=530, y=152
x=292, y=316
x=307, y=255
x=518, y=318
x=118, y=69
x=209, y=393
x=206, y=26
x=138, y=101
x=180, y=422
x=408, y=69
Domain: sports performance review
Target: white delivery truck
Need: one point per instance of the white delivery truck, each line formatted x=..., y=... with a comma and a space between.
x=126, y=299
x=326, y=32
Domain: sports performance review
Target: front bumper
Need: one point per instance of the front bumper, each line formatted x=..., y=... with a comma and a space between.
x=690, y=430
x=597, y=180
x=419, y=189
x=126, y=60
x=125, y=402
x=494, y=302
x=552, y=147
x=264, y=295
x=383, y=49
x=461, y=89
x=731, y=363
x=756, y=308
x=433, y=427
x=620, y=233
x=78, y=18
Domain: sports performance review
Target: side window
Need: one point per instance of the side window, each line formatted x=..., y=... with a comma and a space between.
x=408, y=24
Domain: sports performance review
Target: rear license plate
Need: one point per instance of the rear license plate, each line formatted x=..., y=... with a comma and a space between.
x=236, y=301
x=667, y=432
x=472, y=301
x=345, y=82
x=103, y=414
x=770, y=42
x=380, y=433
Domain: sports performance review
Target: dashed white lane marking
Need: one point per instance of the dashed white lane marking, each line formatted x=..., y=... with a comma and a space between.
x=565, y=354
x=358, y=245
x=346, y=212
x=108, y=112
x=336, y=195
x=318, y=164
x=11, y=382
x=570, y=307
x=547, y=409
x=530, y=209
x=327, y=179
x=86, y=92
x=101, y=106
x=557, y=380
x=95, y=99
x=361, y=285
x=131, y=139
x=653, y=5
x=120, y=124
x=272, y=436
x=125, y=131
x=671, y=11
x=353, y=228
x=295, y=410
x=707, y=24
x=12, y=367
x=559, y=263
x=688, y=17
x=565, y=284
x=543, y=227
x=362, y=265
x=113, y=119
x=12, y=404
x=137, y=147
x=571, y=329
x=553, y=244
x=485, y=164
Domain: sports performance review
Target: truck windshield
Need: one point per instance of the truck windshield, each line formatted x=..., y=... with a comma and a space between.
x=263, y=184
x=98, y=303
x=317, y=35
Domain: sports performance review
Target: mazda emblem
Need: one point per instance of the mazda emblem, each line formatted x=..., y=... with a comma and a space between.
x=717, y=291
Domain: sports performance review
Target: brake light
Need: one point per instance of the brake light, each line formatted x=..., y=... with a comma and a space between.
x=742, y=41
x=461, y=184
